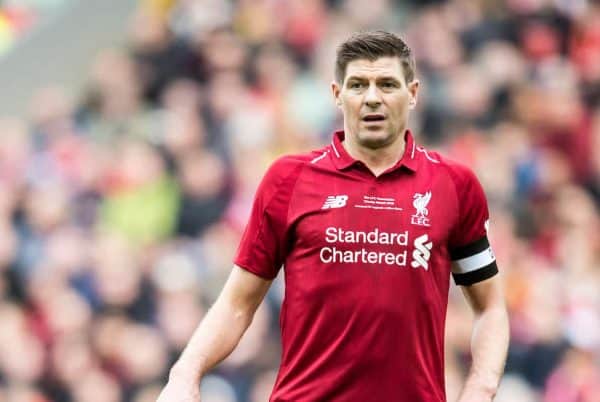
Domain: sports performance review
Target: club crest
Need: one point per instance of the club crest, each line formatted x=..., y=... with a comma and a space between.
x=420, y=202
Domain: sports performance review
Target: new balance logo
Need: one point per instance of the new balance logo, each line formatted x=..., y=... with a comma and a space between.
x=422, y=252
x=335, y=201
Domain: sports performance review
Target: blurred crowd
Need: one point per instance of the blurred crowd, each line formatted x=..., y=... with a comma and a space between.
x=121, y=207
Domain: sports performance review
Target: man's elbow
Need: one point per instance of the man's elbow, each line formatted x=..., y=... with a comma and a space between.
x=238, y=314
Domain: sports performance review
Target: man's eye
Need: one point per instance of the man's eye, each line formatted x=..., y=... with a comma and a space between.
x=356, y=85
x=388, y=85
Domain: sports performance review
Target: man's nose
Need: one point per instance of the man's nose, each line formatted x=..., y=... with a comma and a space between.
x=372, y=98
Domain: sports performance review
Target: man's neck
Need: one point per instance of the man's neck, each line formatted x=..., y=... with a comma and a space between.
x=377, y=160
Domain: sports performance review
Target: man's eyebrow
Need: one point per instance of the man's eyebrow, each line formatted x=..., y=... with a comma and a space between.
x=364, y=78
x=357, y=78
x=388, y=78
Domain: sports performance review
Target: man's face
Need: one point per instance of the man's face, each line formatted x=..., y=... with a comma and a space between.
x=375, y=100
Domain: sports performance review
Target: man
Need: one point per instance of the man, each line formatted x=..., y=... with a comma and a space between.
x=369, y=230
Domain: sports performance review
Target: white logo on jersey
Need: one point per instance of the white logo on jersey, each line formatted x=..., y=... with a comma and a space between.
x=420, y=203
x=335, y=201
x=422, y=252
x=424, y=151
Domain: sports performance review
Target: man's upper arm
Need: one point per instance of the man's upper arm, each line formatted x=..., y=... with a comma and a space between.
x=472, y=258
x=263, y=245
x=244, y=291
x=485, y=294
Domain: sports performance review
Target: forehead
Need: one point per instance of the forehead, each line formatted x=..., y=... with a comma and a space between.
x=383, y=66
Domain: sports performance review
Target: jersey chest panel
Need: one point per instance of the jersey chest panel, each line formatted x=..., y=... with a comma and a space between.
x=371, y=239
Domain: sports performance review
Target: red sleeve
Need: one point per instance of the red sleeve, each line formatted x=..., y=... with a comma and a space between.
x=472, y=257
x=472, y=209
x=264, y=244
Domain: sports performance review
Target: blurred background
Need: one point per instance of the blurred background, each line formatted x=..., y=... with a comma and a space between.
x=133, y=135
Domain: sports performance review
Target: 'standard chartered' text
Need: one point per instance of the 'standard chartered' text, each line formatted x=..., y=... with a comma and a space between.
x=339, y=254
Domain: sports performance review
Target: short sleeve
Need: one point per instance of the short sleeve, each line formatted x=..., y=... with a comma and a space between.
x=263, y=245
x=472, y=257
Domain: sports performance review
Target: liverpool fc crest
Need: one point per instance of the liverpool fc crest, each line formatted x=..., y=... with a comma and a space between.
x=420, y=202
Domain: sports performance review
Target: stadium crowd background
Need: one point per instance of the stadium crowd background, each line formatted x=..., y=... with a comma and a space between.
x=121, y=208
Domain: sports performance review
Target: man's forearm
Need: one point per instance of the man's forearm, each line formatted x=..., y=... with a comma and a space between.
x=214, y=339
x=489, y=345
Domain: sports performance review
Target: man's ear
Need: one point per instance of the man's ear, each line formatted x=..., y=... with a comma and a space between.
x=336, y=91
x=413, y=89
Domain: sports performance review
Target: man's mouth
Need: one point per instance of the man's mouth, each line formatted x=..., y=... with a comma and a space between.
x=373, y=117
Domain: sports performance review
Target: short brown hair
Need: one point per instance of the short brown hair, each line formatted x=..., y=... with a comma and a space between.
x=372, y=45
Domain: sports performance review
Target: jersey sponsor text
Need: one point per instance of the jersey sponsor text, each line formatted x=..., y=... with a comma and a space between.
x=375, y=236
x=340, y=236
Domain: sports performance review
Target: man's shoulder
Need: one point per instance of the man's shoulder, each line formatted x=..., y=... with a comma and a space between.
x=458, y=171
x=288, y=163
x=289, y=166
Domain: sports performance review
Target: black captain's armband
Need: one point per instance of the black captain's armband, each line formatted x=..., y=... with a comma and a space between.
x=473, y=263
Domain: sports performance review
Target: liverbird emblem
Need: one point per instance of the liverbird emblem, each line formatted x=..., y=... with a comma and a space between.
x=420, y=202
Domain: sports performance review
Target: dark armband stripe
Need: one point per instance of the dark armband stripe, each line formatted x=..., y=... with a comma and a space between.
x=479, y=275
x=480, y=255
x=470, y=249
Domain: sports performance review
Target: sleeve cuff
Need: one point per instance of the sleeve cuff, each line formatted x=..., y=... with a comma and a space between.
x=256, y=271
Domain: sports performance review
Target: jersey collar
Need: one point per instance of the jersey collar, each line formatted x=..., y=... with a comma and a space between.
x=342, y=159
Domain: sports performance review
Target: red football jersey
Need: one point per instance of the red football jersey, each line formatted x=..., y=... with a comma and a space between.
x=367, y=263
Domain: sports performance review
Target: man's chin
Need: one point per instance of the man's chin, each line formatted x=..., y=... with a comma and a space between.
x=374, y=139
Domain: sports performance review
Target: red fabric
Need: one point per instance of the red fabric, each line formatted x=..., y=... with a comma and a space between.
x=360, y=330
